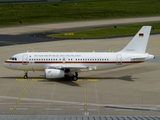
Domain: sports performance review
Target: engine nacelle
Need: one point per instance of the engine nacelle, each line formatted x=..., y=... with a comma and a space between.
x=54, y=73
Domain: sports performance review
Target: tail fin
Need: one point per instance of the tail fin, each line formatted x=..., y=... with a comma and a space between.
x=139, y=43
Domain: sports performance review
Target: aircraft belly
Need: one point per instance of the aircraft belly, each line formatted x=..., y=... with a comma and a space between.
x=42, y=67
x=108, y=66
x=29, y=67
x=36, y=67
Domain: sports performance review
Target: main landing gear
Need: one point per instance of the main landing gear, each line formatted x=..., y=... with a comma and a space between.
x=75, y=76
x=26, y=75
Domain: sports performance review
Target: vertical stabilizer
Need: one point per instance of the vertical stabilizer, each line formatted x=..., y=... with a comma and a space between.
x=139, y=42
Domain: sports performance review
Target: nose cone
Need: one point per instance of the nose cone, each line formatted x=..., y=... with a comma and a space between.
x=6, y=64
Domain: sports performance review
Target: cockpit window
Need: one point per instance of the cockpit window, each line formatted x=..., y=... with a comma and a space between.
x=12, y=58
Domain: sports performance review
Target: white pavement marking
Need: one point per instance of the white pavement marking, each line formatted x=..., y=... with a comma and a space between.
x=92, y=109
x=123, y=110
x=89, y=109
x=19, y=108
x=52, y=108
x=26, y=29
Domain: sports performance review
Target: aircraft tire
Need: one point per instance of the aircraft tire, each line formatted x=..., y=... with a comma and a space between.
x=74, y=78
x=76, y=74
x=25, y=76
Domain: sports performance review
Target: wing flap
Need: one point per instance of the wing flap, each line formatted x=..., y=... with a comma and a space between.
x=75, y=67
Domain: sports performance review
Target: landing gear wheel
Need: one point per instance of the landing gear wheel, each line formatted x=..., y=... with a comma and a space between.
x=76, y=74
x=74, y=78
x=25, y=76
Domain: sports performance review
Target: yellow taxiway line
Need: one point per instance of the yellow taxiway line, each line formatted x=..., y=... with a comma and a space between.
x=21, y=95
x=39, y=79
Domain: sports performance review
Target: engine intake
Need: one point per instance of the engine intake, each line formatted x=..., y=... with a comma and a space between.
x=54, y=73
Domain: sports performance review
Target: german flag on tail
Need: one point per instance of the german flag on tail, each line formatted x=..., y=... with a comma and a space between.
x=141, y=34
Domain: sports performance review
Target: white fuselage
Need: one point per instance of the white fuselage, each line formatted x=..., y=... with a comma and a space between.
x=39, y=61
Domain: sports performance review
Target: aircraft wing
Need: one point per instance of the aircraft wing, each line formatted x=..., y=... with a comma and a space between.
x=67, y=67
x=72, y=67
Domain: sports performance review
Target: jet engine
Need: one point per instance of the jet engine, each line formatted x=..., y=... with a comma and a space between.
x=54, y=73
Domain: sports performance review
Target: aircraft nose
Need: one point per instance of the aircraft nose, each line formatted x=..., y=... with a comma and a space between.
x=5, y=64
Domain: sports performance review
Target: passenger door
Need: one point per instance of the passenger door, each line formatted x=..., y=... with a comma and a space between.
x=119, y=59
x=24, y=59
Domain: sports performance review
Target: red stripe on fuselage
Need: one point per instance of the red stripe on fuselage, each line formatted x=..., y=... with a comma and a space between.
x=15, y=62
x=126, y=62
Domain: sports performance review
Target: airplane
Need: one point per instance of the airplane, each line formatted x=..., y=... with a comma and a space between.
x=62, y=64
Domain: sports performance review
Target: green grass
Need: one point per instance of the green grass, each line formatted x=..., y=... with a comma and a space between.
x=31, y=13
x=107, y=32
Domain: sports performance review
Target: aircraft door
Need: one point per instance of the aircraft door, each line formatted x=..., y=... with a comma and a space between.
x=119, y=59
x=25, y=59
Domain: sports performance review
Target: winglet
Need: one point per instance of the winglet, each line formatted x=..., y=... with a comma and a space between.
x=139, y=42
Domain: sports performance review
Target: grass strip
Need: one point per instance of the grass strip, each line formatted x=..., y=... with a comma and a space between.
x=107, y=31
x=31, y=13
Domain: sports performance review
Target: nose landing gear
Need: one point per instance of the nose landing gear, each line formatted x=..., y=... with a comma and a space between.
x=26, y=75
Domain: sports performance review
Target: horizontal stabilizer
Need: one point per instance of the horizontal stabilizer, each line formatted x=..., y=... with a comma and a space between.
x=138, y=58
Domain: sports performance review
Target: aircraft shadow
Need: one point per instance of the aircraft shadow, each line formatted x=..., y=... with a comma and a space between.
x=66, y=81
x=125, y=78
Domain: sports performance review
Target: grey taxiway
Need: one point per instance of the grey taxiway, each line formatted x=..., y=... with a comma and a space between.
x=136, y=85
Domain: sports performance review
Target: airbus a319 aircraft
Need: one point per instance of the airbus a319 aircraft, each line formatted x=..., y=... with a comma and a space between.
x=61, y=64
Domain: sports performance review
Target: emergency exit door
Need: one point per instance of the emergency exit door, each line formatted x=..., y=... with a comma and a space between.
x=119, y=59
